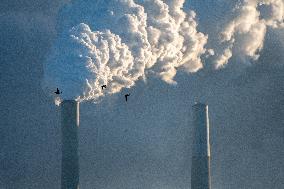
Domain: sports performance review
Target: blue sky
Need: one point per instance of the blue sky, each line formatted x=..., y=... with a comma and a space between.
x=145, y=143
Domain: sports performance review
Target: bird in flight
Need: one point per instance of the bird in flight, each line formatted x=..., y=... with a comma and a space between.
x=103, y=86
x=57, y=91
x=127, y=95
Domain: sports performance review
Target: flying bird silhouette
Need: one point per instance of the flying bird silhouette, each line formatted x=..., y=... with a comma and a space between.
x=103, y=86
x=127, y=95
x=57, y=91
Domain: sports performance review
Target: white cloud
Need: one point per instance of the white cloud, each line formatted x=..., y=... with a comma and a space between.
x=137, y=38
x=244, y=35
x=117, y=42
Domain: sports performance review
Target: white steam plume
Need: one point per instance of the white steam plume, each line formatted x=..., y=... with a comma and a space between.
x=244, y=35
x=119, y=43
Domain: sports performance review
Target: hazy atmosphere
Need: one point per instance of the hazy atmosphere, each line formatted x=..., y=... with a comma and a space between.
x=168, y=55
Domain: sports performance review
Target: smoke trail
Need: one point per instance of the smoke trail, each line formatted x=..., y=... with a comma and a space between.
x=244, y=35
x=117, y=42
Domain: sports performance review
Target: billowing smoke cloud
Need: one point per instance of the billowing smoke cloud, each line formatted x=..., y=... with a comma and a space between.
x=115, y=43
x=118, y=42
x=244, y=35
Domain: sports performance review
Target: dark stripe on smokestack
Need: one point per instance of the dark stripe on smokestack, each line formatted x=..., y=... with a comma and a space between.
x=200, y=168
x=70, y=159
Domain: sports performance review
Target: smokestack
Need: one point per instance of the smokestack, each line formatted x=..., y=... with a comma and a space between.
x=70, y=159
x=200, y=168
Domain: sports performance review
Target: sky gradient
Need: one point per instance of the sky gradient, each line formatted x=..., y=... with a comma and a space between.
x=146, y=142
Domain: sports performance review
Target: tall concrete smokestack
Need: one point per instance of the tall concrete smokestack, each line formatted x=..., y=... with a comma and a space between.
x=200, y=168
x=70, y=159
